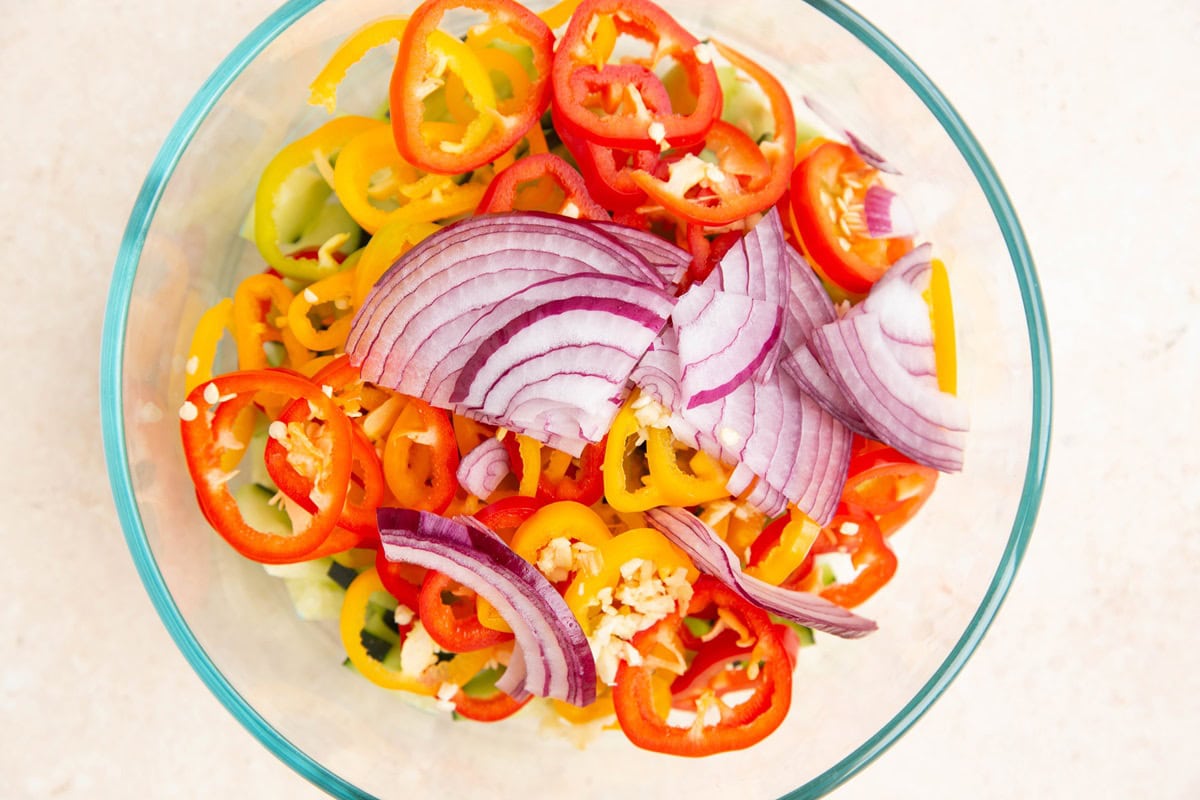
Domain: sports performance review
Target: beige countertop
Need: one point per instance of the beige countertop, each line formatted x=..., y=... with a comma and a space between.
x=1088, y=684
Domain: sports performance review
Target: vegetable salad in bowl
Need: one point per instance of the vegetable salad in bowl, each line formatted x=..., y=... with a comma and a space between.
x=576, y=378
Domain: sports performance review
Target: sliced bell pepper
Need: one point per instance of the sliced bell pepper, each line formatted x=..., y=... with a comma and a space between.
x=420, y=458
x=503, y=517
x=260, y=306
x=887, y=484
x=553, y=475
x=577, y=63
x=336, y=290
x=364, y=590
x=208, y=435
x=941, y=318
x=763, y=179
x=490, y=705
x=323, y=89
x=323, y=142
x=565, y=519
x=632, y=483
x=447, y=610
x=854, y=531
x=827, y=192
x=782, y=547
x=767, y=669
x=586, y=591
x=203, y=348
x=362, y=159
x=503, y=193
x=386, y=246
x=426, y=54
x=402, y=581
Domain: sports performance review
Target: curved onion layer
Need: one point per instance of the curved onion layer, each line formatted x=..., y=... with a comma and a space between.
x=881, y=356
x=714, y=557
x=865, y=151
x=885, y=214
x=525, y=320
x=724, y=339
x=757, y=265
x=482, y=469
x=769, y=429
x=555, y=660
x=669, y=262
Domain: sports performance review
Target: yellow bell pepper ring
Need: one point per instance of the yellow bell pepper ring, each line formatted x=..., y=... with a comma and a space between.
x=646, y=544
x=360, y=160
x=298, y=155
x=336, y=290
x=350, y=624
x=323, y=90
x=203, y=348
x=941, y=315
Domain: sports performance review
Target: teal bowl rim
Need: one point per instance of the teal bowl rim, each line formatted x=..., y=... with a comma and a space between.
x=112, y=419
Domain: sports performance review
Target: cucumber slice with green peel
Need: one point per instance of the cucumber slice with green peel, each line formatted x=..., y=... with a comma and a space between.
x=484, y=683
x=745, y=104
x=381, y=623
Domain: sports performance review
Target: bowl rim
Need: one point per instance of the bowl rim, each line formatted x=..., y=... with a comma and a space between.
x=113, y=423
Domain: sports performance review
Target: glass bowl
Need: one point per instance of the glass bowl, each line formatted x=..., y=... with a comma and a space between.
x=283, y=677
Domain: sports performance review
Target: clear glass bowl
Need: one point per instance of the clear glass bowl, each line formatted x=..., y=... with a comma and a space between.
x=283, y=678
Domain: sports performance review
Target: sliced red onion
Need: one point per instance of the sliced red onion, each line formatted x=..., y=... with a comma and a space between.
x=724, y=340
x=713, y=556
x=668, y=260
x=482, y=469
x=769, y=429
x=865, y=151
x=885, y=214
x=555, y=659
x=806, y=370
x=757, y=265
x=808, y=306
x=881, y=356
x=525, y=320
x=657, y=374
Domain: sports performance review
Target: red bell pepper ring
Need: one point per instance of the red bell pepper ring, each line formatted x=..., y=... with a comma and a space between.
x=733, y=200
x=632, y=129
x=415, y=63
x=207, y=436
x=493, y=708
x=608, y=170
x=768, y=675
x=358, y=516
x=716, y=667
x=403, y=581
x=886, y=484
x=840, y=252
x=502, y=192
x=447, y=610
x=853, y=531
x=505, y=516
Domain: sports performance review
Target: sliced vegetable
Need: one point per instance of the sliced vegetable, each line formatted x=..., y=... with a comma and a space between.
x=503, y=195
x=482, y=469
x=552, y=659
x=207, y=420
x=828, y=191
x=427, y=54
x=714, y=557
x=581, y=71
x=573, y=296
x=881, y=356
x=767, y=667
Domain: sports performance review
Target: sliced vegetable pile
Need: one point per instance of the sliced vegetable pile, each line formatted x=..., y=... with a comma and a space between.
x=544, y=392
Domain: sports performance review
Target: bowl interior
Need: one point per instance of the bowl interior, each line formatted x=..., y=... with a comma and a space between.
x=284, y=678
